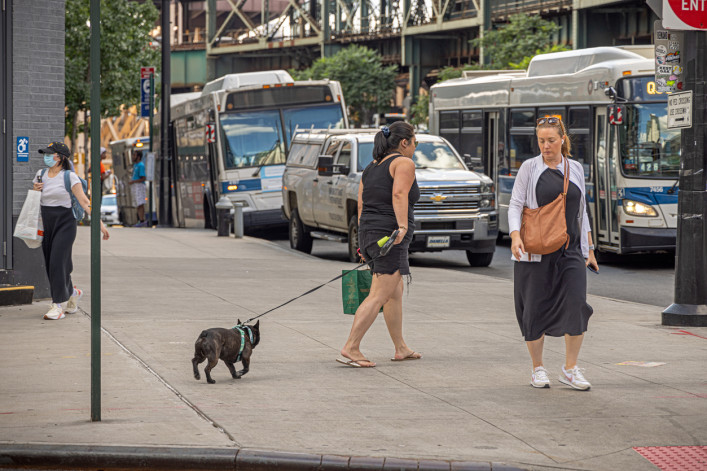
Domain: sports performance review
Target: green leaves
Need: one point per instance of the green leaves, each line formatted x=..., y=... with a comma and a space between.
x=367, y=84
x=523, y=37
x=125, y=47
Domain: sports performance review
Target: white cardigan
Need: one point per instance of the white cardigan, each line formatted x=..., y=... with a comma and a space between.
x=524, y=194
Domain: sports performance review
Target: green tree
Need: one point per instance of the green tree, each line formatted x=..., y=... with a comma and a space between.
x=125, y=47
x=367, y=84
x=521, y=38
x=420, y=111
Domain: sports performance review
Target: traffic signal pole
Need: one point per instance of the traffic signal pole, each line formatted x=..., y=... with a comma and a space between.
x=690, y=305
x=165, y=215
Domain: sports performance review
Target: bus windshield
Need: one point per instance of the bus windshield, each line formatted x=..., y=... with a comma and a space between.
x=648, y=148
x=434, y=155
x=320, y=117
x=253, y=138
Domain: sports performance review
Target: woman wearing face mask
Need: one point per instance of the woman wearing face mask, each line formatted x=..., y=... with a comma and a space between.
x=551, y=294
x=60, y=227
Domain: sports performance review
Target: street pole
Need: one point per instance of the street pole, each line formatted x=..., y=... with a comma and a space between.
x=152, y=113
x=95, y=212
x=165, y=217
x=690, y=306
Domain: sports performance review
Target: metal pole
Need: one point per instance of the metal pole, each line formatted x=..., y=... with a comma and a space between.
x=152, y=112
x=95, y=211
x=690, y=306
x=165, y=217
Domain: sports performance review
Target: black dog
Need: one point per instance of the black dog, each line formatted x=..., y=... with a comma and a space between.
x=225, y=344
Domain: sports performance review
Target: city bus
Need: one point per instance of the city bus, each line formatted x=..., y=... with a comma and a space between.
x=232, y=140
x=122, y=152
x=617, y=121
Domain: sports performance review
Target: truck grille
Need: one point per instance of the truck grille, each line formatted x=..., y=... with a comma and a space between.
x=448, y=198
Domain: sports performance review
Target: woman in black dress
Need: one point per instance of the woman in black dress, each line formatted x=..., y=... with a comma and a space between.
x=386, y=196
x=551, y=290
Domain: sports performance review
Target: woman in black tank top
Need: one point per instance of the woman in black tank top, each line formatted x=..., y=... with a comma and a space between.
x=386, y=196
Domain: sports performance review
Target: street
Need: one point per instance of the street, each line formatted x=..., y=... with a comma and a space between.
x=644, y=278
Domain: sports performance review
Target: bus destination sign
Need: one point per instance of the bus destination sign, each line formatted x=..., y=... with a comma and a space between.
x=668, y=60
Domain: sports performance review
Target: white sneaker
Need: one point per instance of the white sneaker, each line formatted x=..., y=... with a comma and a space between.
x=539, y=378
x=72, y=305
x=574, y=378
x=55, y=312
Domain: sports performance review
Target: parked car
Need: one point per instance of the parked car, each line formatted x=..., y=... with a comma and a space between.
x=456, y=210
x=109, y=210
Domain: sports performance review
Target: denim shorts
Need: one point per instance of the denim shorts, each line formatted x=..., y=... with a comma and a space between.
x=395, y=260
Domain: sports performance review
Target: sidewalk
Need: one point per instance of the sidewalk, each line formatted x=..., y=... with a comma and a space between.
x=467, y=400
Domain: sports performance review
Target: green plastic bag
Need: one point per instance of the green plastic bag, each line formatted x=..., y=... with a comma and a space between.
x=355, y=287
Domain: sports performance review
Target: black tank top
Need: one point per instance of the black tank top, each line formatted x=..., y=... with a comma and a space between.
x=378, y=212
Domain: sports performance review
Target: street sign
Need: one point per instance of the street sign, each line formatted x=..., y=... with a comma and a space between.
x=210, y=133
x=669, y=45
x=145, y=73
x=685, y=14
x=680, y=110
x=22, y=149
x=150, y=166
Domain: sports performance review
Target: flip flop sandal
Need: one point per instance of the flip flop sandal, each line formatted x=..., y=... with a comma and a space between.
x=409, y=357
x=354, y=363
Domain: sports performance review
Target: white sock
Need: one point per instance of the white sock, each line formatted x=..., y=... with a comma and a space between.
x=76, y=293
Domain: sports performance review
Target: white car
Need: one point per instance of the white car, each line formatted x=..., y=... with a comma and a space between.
x=109, y=210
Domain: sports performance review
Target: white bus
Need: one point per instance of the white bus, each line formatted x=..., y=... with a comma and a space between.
x=616, y=118
x=233, y=140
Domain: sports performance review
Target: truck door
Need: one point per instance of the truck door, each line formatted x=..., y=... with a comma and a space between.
x=322, y=189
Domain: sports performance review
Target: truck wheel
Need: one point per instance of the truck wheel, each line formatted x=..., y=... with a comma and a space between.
x=479, y=259
x=353, y=240
x=299, y=235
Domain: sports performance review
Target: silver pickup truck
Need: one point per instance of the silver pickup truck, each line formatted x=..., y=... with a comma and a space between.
x=456, y=210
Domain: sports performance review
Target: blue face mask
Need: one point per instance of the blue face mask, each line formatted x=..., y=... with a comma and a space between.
x=49, y=160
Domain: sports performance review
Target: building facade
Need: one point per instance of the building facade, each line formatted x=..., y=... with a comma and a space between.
x=32, y=107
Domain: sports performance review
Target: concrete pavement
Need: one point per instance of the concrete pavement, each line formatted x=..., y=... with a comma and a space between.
x=467, y=400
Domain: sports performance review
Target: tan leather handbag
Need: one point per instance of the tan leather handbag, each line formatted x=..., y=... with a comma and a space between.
x=543, y=230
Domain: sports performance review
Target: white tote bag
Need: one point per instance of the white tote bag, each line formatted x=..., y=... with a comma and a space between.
x=29, y=225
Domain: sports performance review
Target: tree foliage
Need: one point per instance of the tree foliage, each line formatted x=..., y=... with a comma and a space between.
x=125, y=47
x=367, y=84
x=420, y=111
x=517, y=40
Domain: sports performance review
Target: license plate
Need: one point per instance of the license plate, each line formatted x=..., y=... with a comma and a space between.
x=438, y=241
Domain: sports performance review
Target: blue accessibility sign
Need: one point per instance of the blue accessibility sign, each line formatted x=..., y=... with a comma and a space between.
x=22, y=149
x=145, y=74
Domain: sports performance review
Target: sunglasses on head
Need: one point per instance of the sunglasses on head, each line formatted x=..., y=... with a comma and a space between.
x=549, y=120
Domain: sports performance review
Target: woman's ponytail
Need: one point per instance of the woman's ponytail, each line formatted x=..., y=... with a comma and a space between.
x=389, y=137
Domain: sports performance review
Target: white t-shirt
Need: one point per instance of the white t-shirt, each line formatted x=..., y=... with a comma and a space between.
x=54, y=191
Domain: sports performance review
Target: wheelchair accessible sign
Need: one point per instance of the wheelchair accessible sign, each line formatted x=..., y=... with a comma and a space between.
x=22, y=149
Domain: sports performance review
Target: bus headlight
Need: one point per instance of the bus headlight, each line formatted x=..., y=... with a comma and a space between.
x=634, y=208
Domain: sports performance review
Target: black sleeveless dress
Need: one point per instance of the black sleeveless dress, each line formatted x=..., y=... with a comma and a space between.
x=551, y=295
x=378, y=218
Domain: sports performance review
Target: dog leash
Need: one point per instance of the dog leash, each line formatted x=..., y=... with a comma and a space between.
x=386, y=243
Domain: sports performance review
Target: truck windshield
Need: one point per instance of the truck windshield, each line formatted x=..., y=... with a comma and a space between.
x=319, y=117
x=434, y=155
x=253, y=138
x=648, y=148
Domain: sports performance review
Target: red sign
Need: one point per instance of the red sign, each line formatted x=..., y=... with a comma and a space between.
x=685, y=14
x=145, y=72
x=210, y=133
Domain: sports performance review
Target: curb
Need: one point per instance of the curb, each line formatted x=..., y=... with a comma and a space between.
x=16, y=295
x=62, y=457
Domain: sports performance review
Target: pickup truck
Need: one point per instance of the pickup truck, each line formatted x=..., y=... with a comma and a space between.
x=456, y=210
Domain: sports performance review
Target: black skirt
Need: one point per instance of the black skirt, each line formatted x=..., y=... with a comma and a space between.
x=551, y=295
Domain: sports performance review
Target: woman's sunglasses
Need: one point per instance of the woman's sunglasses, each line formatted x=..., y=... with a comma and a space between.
x=549, y=120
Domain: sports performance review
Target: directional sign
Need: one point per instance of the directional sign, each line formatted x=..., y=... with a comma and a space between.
x=145, y=73
x=22, y=149
x=685, y=14
x=680, y=110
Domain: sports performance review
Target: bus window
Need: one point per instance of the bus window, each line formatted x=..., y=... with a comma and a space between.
x=579, y=119
x=523, y=119
x=471, y=119
x=559, y=112
x=253, y=138
x=578, y=129
x=472, y=138
x=319, y=117
x=449, y=127
x=522, y=147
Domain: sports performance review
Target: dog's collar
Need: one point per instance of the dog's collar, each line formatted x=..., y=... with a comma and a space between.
x=242, y=329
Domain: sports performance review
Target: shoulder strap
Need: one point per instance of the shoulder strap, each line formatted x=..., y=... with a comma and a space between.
x=567, y=180
x=44, y=171
x=67, y=180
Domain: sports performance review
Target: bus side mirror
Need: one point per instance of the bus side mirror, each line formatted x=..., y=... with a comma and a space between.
x=325, y=165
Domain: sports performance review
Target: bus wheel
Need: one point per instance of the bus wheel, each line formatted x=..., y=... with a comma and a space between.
x=353, y=240
x=299, y=235
x=479, y=259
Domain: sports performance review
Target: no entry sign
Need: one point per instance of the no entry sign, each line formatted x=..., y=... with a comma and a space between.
x=685, y=14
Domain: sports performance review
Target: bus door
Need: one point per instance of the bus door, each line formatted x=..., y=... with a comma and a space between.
x=606, y=229
x=491, y=145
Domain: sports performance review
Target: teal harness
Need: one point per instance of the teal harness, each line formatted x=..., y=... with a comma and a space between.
x=242, y=330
